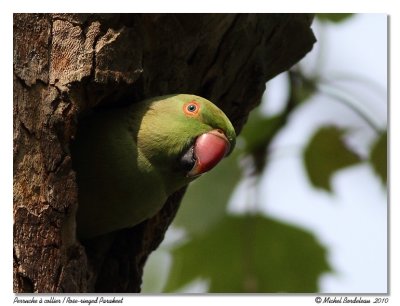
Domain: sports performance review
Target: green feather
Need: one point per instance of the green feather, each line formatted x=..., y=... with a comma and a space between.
x=127, y=159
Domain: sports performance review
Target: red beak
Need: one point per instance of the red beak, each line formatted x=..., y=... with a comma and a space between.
x=209, y=149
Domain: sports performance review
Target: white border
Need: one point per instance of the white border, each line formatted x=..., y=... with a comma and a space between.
x=6, y=11
x=204, y=6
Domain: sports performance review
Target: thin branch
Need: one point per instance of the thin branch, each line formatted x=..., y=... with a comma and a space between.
x=347, y=100
x=368, y=82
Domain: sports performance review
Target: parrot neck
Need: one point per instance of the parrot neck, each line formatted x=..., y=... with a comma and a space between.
x=159, y=148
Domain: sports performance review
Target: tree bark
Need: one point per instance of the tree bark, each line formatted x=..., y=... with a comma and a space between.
x=67, y=64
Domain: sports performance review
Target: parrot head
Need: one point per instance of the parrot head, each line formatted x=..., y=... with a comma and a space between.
x=129, y=160
x=185, y=134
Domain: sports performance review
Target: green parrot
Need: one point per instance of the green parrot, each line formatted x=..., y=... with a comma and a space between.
x=129, y=160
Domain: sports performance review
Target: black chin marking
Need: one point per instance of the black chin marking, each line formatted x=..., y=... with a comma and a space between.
x=188, y=160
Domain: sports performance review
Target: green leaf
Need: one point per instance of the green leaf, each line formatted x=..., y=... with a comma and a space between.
x=250, y=253
x=302, y=88
x=206, y=199
x=259, y=131
x=378, y=157
x=333, y=17
x=258, y=134
x=325, y=154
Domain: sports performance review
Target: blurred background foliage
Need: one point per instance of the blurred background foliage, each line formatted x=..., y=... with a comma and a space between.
x=248, y=252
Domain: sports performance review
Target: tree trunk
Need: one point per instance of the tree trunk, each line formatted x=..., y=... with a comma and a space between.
x=67, y=64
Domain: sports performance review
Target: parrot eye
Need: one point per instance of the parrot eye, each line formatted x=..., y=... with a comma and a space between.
x=191, y=108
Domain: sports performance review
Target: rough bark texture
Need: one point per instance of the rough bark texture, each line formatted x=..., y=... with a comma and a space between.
x=67, y=64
